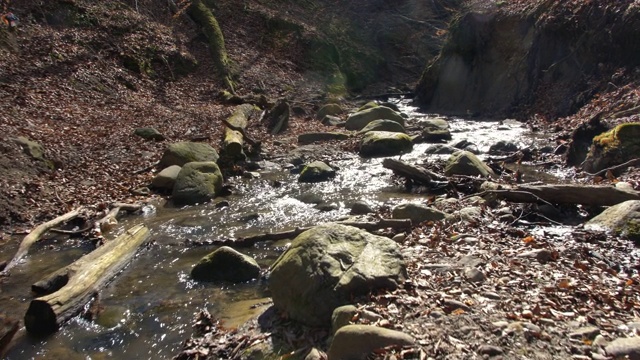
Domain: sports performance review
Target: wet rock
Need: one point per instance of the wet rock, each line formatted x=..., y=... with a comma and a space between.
x=490, y=350
x=622, y=219
x=383, y=125
x=342, y=316
x=328, y=265
x=417, y=213
x=360, y=119
x=310, y=138
x=166, y=178
x=440, y=149
x=613, y=147
x=466, y=145
x=316, y=171
x=624, y=347
x=226, y=264
x=588, y=332
x=474, y=275
x=502, y=147
x=329, y=110
x=185, y=152
x=466, y=163
x=197, y=182
x=327, y=207
x=353, y=342
x=384, y=143
x=361, y=208
x=149, y=133
x=309, y=198
x=435, y=130
x=250, y=175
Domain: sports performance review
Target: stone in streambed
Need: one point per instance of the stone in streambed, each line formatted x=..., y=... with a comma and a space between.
x=316, y=171
x=166, y=179
x=226, y=264
x=184, y=152
x=356, y=342
x=197, y=182
x=385, y=143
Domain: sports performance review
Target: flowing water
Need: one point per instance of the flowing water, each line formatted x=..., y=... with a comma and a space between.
x=148, y=309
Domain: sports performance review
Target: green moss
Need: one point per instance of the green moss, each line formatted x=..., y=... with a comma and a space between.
x=632, y=230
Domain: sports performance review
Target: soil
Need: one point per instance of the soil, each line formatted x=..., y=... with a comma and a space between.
x=64, y=83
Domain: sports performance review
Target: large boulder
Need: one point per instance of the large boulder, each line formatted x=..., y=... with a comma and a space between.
x=385, y=143
x=226, y=264
x=166, y=178
x=329, y=109
x=360, y=119
x=466, y=163
x=184, y=152
x=622, y=219
x=316, y=171
x=197, y=182
x=357, y=342
x=328, y=265
x=435, y=129
x=417, y=213
x=383, y=125
x=613, y=147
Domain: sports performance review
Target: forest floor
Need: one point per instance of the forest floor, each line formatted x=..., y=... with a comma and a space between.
x=66, y=88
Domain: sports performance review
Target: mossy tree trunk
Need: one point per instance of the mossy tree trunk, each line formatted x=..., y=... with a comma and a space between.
x=211, y=29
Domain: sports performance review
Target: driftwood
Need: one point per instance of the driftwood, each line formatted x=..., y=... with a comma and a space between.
x=412, y=172
x=594, y=195
x=235, y=132
x=8, y=328
x=71, y=287
x=111, y=219
x=35, y=235
x=289, y=234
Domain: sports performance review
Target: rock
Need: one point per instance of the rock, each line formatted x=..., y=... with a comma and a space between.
x=542, y=255
x=466, y=145
x=327, y=207
x=342, y=316
x=329, y=110
x=623, y=185
x=470, y=214
x=390, y=105
x=474, y=275
x=328, y=265
x=309, y=198
x=315, y=354
x=361, y=208
x=383, y=125
x=183, y=152
x=622, y=219
x=166, y=178
x=149, y=133
x=452, y=305
x=613, y=147
x=440, y=149
x=310, y=138
x=370, y=105
x=316, y=171
x=624, y=347
x=502, y=147
x=332, y=121
x=360, y=119
x=417, y=213
x=399, y=238
x=356, y=342
x=466, y=163
x=226, y=264
x=490, y=350
x=384, y=143
x=31, y=148
x=435, y=129
x=588, y=332
x=197, y=182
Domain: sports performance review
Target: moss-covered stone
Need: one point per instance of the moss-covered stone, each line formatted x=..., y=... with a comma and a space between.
x=329, y=109
x=316, y=171
x=613, y=147
x=360, y=119
x=197, y=182
x=385, y=143
x=184, y=152
x=226, y=264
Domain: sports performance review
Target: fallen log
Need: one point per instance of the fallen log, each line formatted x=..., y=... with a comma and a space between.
x=398, y=224
x=35, y=235
x=594, y=195
x=412, y=172
x=70, y=288
x=235, y=130
x=111, y=219
x=8, y=328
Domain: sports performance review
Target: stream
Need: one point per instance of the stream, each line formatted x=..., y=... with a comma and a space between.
x=147, y=311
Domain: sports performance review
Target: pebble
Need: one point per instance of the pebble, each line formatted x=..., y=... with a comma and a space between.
x=491, y=295
x=399, y=238
x=600, y=341
x=452, y=305
x=490, y=350
x=474, y=275
x=542, y=255
x=588, y=332
x=624, y=347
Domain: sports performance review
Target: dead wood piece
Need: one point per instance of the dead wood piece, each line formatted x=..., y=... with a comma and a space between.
x=8, y=328
x=35, y=235
x=74, y=285
x=235, y=132
x=111, y=219
x=567, y=194
x=412, y=172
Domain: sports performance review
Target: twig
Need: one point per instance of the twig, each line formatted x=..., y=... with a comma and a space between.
x=144, y=170
x=629, y=163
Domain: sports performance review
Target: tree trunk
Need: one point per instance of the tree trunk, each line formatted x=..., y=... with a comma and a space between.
x=233, y=138
x=71, y=287
x=211, y=29
x=412, y=172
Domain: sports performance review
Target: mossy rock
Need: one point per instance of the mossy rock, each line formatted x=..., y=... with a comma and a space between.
x=466, y=163
x=613, y=147
x=184, y=152
x=360, y=119
x=197, y=182
x=316, y=171
x=226, y=264
x=329, y=109
x=149, y=133
x=369, y=105
x=622, y=219
x=385, y=143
